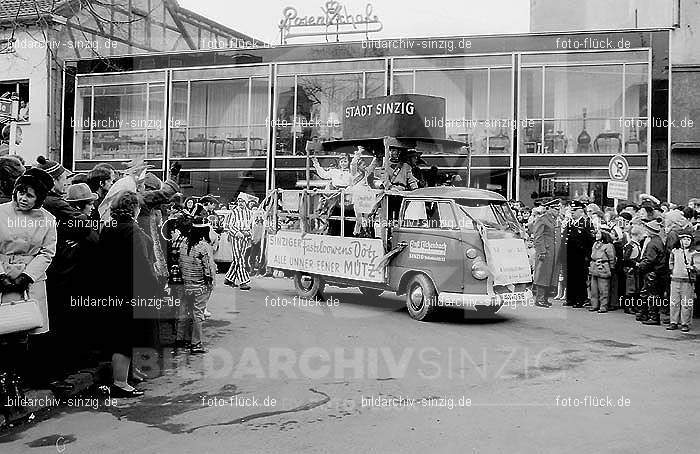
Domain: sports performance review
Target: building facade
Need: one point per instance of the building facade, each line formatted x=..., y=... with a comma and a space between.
x=538, y=114
x=682, y=18
x=38, y=36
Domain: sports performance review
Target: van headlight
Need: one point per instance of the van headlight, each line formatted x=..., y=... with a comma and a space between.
x=471, y=253
x=479, y=269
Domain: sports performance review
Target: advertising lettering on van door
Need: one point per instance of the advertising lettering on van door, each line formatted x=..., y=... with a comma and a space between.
x=427, y=250
x=350, y=258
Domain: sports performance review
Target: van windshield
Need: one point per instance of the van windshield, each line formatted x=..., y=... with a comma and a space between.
x=493, y=214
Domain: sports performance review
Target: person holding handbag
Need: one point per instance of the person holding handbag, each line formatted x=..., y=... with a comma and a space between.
x=27, y=246
x=600, y=270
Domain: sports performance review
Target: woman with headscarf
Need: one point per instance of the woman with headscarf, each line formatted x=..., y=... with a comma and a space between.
x=27, y=246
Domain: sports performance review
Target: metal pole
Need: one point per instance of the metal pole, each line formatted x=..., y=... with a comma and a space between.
x=469, y=167
x=13, y=123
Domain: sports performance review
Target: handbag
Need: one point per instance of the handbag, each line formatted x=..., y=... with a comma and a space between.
x=20, y=315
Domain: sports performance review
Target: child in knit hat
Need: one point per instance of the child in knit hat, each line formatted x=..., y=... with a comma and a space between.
x=684, y=263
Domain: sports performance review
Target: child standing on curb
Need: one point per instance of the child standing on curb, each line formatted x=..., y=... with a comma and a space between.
x=600, y=271
x=199, y=274
x=684, y=264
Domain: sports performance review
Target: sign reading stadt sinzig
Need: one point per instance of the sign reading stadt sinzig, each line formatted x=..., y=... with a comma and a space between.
x=394, y=116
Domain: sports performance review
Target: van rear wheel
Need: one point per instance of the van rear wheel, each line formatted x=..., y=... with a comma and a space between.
x=371, y=292
x=421, y=298
x=309, y=286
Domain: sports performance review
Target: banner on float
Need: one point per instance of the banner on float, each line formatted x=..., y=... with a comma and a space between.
x=508, y=261
x=350, y=258
x=363, y=200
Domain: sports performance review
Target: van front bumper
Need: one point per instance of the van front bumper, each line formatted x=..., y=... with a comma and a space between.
x=472, y=301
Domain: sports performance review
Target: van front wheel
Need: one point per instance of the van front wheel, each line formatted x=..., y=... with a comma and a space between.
x=421, y=298
x=309, y=286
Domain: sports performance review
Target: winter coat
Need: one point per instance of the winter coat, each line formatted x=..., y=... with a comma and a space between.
x=602, y=260
x=72, y=227
x=27, y=245
x=653, y=258
x=544, y=242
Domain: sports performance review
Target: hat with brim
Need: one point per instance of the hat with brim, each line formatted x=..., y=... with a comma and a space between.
x=685, y=233
x=207, y=199
x=553, y=203
x=577, y=205
x=80, y=192
x=653, y=226
x=243, y=196
x=200, y=221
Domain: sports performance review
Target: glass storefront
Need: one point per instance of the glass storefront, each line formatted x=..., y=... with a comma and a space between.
x=585, y=103
x=573, y=184
x=522, y=109
x=478, y=94
x=119, y=118
x=309, y=106
x=225, y=116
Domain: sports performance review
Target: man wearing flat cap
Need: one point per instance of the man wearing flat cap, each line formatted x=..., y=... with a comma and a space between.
x=576, y=246
x=545, y=279
x=653, y=272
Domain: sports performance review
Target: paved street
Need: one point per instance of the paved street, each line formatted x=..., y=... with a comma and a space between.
x=362, y=376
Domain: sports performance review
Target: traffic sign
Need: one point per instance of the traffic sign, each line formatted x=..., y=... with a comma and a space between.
x=618, y=189
x=618, y=168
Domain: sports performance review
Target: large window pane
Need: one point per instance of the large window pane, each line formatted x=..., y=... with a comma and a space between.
x=636, y=90
x=465, y=91
x=375, y=85
x=83, y=114
x=226, y=185
x=595, y=89
x=501, y=98
x=285, y=115
x=119, y=107
x=403, y=83
x=531, y=93
x=575, y=184
x=178, y=121
x=221, y=118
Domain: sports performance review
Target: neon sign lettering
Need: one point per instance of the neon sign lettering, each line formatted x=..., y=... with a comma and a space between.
x=335, y=15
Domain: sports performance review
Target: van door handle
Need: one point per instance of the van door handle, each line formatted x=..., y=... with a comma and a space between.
x=402, y=243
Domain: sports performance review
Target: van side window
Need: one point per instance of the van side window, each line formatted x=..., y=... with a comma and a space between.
x=429, y=214
x=447, y=218
x=415, y=215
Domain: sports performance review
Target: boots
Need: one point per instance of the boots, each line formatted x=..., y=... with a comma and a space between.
x=541, y=296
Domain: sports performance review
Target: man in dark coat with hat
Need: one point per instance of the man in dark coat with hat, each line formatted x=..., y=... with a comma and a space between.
x=653, y=272
x=545, y=279
x=576, y=246
x=72, y=227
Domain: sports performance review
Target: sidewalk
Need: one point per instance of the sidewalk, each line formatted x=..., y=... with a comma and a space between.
x=45, y=399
